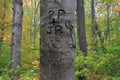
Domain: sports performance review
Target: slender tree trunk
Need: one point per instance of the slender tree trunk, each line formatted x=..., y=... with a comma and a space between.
x=57, y=39
x=94, y=41
x=81, y=30
x=35, y=6
x=93, y=11
x=108, y=24
x=94, y=28
x=81, y=27
x=16, y=37
x=96, y=32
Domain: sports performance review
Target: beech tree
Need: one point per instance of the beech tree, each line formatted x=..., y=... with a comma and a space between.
x=16, y=37
x=57, y=44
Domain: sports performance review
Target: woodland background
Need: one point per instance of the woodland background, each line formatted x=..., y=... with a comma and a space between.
x=102, y=60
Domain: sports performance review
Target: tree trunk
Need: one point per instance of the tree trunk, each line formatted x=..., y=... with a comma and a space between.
x=94, y=28
x=93, y=11
x=96, y=32
x=57, y=46
x=81, y=26
x=108, y=23
x=35, y=6
x=81, y=31
x=94, y=35
x=16, y=37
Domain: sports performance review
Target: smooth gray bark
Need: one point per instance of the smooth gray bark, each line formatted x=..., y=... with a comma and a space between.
x=16, y=36
x=81, y=27
x=57, y=46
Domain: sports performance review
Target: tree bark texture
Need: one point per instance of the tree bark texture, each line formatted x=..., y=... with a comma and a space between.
x=57, y=44
x=81, y=27
x=16, y=36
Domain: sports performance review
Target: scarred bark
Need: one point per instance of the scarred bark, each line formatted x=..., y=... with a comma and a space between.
x=57, y=46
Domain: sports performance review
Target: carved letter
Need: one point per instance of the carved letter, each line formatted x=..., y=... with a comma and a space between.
x=49, y=31
x=58, y=29
x=61, y=12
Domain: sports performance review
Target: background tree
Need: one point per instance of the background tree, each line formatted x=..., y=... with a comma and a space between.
x=57, y=39
x=81, y=27
x=16, y=37
x=93, y=23
x=108, y=21
x=81, y=30
x=36, y=8
x=95, y=30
